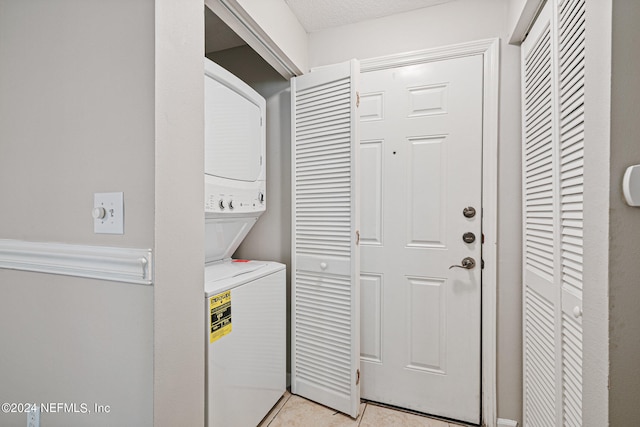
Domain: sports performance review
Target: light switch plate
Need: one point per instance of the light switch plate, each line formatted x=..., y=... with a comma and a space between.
x=108, y=213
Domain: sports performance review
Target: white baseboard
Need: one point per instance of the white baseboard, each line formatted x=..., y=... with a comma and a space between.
x=96, y=262
x=506, y=423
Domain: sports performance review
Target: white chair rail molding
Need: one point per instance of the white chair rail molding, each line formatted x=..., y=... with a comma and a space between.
x=129, y=265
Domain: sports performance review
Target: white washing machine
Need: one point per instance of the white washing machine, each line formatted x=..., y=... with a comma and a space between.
x=246, y=363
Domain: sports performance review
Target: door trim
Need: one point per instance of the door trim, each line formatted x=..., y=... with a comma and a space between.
x=490, y=50
x=239, y=20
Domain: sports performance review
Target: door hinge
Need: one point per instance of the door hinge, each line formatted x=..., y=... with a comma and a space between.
x=357, y=376
x=357, y=99
x=482, y=264
x=357, y=237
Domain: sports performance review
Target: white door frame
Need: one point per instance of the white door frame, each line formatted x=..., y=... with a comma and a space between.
x=489, y=49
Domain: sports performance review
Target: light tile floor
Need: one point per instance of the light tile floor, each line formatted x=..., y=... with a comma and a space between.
x=295, y=411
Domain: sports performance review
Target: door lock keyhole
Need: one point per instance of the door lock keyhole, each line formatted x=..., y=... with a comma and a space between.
x=469, y=212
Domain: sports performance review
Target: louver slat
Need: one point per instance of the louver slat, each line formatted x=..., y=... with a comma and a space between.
x=538, y=159
x=324, y=353
x=571, y=82
x=324, y=174
x=539, y=361
x=572, y=372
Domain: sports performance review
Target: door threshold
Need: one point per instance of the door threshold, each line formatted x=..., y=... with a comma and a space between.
x=421, y=414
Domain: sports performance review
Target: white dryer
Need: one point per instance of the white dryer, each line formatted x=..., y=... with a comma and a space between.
x=244, y=300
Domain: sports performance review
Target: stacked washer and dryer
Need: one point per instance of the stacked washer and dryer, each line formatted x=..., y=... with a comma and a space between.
x=245, y=301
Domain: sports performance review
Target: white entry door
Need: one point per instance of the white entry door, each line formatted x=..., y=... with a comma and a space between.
x=421, y=175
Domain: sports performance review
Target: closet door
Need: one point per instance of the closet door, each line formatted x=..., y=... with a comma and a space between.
x=571, y=64
x=540, y=225
x=553, y=67
x=326, y=266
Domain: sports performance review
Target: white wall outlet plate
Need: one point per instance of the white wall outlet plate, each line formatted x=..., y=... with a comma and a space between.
x=108, y=213
x=33, y=417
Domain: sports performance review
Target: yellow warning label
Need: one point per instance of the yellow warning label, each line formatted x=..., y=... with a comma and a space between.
x=220, y=310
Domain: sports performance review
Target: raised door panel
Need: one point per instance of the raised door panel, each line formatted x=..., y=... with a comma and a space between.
x=371, y=316
x=426, y=186
x=371, y=178
x=427, y=325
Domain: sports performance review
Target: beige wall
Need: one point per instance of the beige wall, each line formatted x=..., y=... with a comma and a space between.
x=624, y=225
x=97, y=97
x=75, y=340
x=76, y=117
x=446, y=24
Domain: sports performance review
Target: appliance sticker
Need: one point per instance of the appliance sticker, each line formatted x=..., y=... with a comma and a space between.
x=220, y=310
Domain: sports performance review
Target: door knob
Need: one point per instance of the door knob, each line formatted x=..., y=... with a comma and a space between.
x=469, y=237
x=467, y=263
x=577, y=311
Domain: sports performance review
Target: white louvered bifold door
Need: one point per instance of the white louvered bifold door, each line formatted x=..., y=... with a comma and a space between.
x=571, y=63
x=540, y=204
x=553, y=67
x=325, y=272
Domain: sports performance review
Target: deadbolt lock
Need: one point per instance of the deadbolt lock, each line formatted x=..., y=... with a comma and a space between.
x=469, y=212
x=469, y=237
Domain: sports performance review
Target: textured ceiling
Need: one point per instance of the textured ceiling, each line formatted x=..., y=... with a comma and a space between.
x=316, y=15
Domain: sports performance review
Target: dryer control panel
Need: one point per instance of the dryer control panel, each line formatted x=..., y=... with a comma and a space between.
x=234, y=199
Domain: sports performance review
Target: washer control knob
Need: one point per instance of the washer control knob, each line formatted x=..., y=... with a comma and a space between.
x=99, y=212
x=261, y=197
x=230, y=204
x=221, y=204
